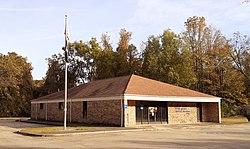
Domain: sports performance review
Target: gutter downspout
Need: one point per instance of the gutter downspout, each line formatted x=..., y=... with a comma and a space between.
x=46, y=116
x=121, y=113
x=70, y=110
x=36, y=110
x=219, y=108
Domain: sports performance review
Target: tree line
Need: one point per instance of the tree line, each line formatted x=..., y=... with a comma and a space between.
x=16, y=85
x=199, y=58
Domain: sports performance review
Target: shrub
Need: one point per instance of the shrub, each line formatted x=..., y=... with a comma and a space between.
x=246, y=111
x=229, y=109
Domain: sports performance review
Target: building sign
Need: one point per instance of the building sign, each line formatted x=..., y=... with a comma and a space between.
x=181, y=109
x=126, y=106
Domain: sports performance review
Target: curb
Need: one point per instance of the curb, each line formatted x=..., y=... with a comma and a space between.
x=28, y=134
x=110, y=131
x=80, y=133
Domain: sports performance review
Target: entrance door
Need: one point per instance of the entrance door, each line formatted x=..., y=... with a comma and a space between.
x=151, y=112
x=162, y=114
x=142, y=114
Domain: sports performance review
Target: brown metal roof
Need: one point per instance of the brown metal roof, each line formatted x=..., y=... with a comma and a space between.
x=131, y=84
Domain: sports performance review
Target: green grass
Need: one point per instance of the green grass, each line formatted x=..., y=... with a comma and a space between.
x=55, y=129
x=14, y=118
x=234, y=120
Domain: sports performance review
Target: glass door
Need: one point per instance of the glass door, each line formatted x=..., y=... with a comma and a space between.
x=151, y=112
x=142, y=114
x=161, y=114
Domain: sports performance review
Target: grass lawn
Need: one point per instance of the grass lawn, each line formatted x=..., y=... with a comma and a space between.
x=234, y=120
x=14, y=118
x=56, y=129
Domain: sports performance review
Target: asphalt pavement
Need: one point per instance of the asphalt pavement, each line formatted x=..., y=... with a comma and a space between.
x=157, y=136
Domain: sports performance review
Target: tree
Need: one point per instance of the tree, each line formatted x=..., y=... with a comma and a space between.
x=213, y=65
x=105, y=60
x=38, y=88
x=245, y=1
x=187, y=76
x=240, y=53
x=86, y=56
x=194, y=37
x=199, y=58
x=55, y=75
x=54, y=80
x=245, y=111
x=134, y=60
x=176, y=60
x=15, y=85
x=167, y=60
x=127, y=59
x=150, y=54
x=122, y=65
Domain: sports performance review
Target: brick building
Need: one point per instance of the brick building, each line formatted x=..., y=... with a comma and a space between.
x=128, y=101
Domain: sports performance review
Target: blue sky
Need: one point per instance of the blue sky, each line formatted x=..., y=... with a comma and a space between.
x=34, y=29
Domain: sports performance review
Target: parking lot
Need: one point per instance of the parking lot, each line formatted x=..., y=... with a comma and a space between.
x=210, y=136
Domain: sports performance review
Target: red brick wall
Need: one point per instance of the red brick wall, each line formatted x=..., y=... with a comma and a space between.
x=33, y=111
x=104, y=112
x=101, y=112
x=41, y=112
x=109, y=112
x=54, y=113
x=76, y=112
x=210, y=112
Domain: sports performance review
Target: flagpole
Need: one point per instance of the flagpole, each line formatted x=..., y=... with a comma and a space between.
x=66, y=76
x=65, y=98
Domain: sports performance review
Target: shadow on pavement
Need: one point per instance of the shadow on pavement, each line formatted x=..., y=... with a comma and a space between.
x=18, y=124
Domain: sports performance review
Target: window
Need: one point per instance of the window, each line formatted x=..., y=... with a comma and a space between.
x=41, y=105
x=84, y=109
x=60, y=105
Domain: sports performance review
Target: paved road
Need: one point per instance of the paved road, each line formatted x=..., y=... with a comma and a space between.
x=230, y=136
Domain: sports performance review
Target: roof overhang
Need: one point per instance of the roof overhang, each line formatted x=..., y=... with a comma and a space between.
x=81, y=99
x=170, y=98
x=139, y=98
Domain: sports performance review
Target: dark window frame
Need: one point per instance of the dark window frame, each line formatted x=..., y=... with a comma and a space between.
x=84, y=109
x=60, y=105
x=41, y=106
